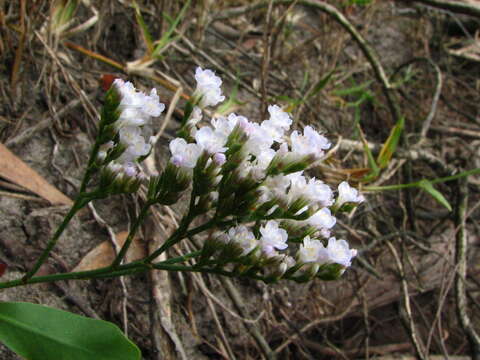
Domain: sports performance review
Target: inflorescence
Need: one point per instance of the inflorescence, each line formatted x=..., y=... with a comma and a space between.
x=268, y=219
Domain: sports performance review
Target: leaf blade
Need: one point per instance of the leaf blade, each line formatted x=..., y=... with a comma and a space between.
x=39, y=332
x=427, y=186
x=389, y=147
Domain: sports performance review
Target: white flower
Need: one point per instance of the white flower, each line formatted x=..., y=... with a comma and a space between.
x=225, y=125
x=275, y=187
x=184, y=154
x=310, y=143
x=208, y=87
x=286, y=263
x=128, y=93
x=278, y=123
x=151, y=106
x=130, y=135
x=309, y=250
x=259, y=140
x=318, y=192
x=347, y=194
x=273, y=238
x=338, y=252
x=322, y=219
x=131, y=116
x=210, y=140
x=139, y=149
x=195, y=117
x=243, y=238
x=136, y=107
x=279, y=117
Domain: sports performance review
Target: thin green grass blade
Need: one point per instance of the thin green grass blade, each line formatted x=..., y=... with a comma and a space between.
x=166, y=38
x=320, y=85
x=147, y=37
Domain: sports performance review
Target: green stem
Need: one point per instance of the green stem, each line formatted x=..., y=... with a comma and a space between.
x=131, y=235
x=417, y=183
x=108, y=272
x=90, y=168
x=77, y=205
x=177, y=236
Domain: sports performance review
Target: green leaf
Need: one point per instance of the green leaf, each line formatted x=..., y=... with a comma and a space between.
x=37, y=332
x=388, y=149
x=437, y=195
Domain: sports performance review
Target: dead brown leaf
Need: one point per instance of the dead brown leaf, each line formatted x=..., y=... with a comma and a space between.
x=15, y=170
x=104, y=254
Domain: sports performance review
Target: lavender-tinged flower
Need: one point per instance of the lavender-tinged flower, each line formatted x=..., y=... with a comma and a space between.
x=219, y=159
x=208, y=87
x=243, y=238
x=347, y=194
x=130, y=170
x=273, y=238
x=184, y=154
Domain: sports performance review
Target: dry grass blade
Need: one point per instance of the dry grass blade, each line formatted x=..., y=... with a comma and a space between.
x=461, y=260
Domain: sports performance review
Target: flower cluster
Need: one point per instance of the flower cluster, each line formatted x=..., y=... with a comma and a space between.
x=129, y=132
x=261, y=185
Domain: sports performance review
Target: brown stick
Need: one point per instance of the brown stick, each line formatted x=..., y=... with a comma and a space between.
x=461, y=7
x=461, y=260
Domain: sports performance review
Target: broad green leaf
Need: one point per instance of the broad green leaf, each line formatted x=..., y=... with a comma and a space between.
x=37, y=332
x=437, y=195
x=388, y=149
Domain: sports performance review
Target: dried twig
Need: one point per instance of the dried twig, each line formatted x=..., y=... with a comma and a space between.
x=461, y=7
x=251, y=327
x=461, y=260
x=419, y=347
